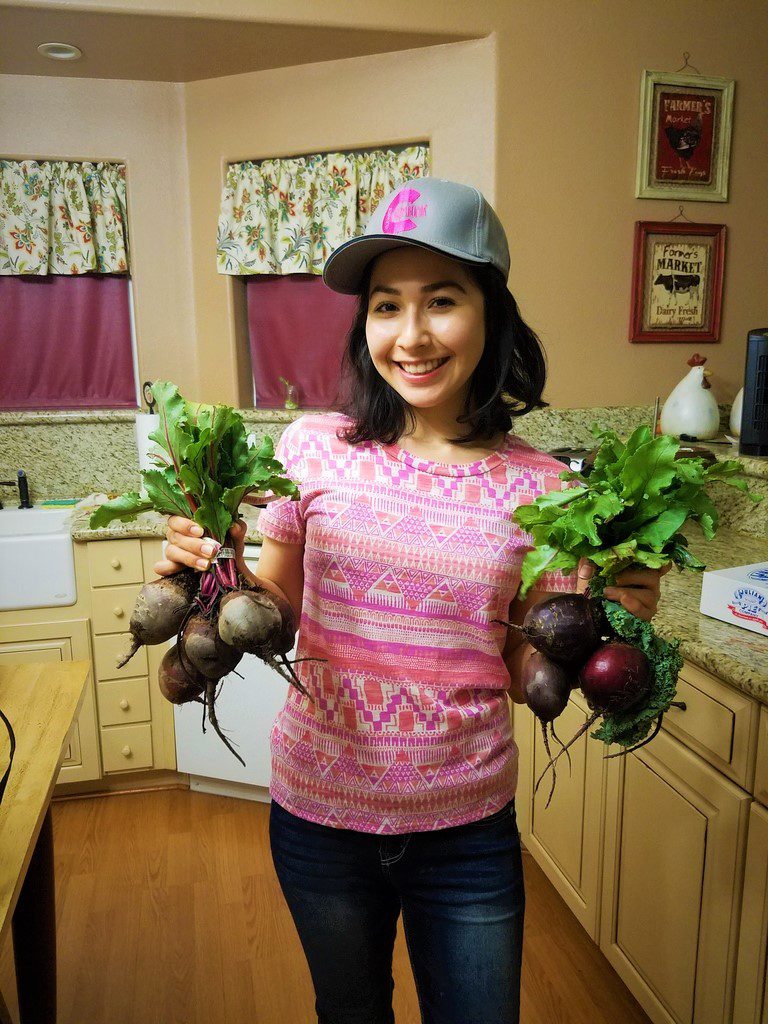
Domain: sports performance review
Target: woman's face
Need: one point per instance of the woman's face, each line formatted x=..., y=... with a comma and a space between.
x=411, y=322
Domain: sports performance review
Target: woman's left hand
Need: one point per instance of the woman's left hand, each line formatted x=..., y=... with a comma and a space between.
x=636, y=589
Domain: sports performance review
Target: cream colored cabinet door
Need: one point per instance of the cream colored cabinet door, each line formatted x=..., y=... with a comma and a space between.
x=60, y=641
x=751, y=1005
x=672, y=879
x=565, y=839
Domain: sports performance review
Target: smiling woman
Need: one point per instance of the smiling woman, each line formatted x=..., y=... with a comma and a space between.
x=425, y=307
x=426, y=340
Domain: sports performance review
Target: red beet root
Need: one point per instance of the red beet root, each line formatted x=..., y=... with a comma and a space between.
x=616, y=677
x=545, y=686
x=567, y=627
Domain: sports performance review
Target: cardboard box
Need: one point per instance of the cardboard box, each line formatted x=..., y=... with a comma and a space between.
x=738, y=595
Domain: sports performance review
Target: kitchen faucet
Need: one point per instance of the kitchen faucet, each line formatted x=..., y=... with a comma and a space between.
x=23, y=486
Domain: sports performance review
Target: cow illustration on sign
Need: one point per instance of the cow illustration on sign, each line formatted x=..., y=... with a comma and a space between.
x=678, y=271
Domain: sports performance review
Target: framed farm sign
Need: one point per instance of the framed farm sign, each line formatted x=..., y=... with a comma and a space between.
x=684, y=140
x=677, y=281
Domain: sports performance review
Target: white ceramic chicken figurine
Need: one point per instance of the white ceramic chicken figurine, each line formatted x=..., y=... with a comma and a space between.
x=691, y=408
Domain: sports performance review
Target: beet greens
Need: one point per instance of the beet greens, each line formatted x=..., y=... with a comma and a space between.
x=205, y=470
x=629, y=511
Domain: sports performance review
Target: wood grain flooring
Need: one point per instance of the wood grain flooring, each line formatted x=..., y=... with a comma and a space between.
x=169, y=912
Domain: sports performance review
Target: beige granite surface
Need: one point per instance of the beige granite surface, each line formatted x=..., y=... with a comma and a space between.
x=71, y=454
x=150, y=524
x=736, y=655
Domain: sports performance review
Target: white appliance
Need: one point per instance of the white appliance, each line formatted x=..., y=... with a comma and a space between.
x=246, y=710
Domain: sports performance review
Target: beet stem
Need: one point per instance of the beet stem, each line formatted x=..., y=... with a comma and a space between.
x=628, y=750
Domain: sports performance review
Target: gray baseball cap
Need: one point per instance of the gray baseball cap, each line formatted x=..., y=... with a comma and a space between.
x=433, y=213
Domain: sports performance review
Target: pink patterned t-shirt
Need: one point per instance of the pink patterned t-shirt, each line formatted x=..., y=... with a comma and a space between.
x=406, y=564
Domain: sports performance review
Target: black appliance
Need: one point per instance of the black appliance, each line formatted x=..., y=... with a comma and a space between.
x=753, y=439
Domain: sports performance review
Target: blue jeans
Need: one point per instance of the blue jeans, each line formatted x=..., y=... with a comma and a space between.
x=462, y=897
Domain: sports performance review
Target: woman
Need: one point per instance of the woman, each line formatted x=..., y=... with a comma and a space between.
x=394, y=791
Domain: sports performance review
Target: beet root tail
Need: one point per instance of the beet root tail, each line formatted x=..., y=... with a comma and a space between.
x=554, y=773
x=210, y=699
x=567, y=752
x=642, y=743
x=131, y=648
x=283, y=668
x=579, y=732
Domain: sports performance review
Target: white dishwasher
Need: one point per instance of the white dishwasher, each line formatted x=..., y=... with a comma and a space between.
x=246, y=710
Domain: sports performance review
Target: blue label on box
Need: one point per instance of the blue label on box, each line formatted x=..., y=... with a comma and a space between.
x=751, y=604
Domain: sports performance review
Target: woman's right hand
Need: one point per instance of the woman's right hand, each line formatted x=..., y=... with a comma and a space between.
x=187, y=547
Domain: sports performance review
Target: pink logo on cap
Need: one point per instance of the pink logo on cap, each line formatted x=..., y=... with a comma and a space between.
x=400, y=211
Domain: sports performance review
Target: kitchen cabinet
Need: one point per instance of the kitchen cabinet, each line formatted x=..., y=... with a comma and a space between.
x=675, y=831
x=761, y=762
x=565, y=838
x=649, y=850
x=751, y=1005
x=57, y=641
x=135, y=720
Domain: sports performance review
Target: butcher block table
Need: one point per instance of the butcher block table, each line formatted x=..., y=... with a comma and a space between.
x=41, y=701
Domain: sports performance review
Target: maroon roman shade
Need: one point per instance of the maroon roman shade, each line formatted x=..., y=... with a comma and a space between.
x=297, y=329
x=65, y=343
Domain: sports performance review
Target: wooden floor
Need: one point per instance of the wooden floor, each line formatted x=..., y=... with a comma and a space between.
x=169, y=912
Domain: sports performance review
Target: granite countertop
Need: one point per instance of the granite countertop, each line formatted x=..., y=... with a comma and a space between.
x=735, y=655
x=151, y=524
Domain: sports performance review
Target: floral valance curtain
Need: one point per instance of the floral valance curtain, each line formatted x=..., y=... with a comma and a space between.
x=286, y=215
x=59, y=217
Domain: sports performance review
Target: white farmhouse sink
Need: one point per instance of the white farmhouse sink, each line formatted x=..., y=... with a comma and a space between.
x=37, y=565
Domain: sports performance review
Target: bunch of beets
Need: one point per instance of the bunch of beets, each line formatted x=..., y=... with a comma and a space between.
x=577, y=647
x=216, y=617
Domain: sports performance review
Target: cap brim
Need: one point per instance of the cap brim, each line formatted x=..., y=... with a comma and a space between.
x=344, y=268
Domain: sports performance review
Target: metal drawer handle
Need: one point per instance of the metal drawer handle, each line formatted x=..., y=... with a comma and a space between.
x=679, y=704
x=118, y=612
x=124, y=704
x=126, y=751
x=115, y=563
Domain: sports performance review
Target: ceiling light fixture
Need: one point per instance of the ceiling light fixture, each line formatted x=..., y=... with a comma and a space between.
x=60, y=51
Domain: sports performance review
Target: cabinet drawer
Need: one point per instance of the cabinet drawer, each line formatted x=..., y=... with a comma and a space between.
x=719, y=723
x=112, y=609
x=126, y=747
x=761, y=770
x=112, y=562
x=123, y=700
x=106, y=651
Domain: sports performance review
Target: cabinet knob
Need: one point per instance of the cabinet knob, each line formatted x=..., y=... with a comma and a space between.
x=118, y=612
x=124, y=704
x=115, y=563
x=126, y=751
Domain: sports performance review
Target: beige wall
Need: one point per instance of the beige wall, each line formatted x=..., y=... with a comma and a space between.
x=568, y=102
x=542, y=116
x=442, y=93
x=140, y=123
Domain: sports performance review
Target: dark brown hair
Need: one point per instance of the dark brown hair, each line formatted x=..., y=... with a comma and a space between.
x=507, y=382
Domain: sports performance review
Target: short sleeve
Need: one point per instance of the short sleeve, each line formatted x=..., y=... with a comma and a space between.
x=283, y=518
x=556, y=582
